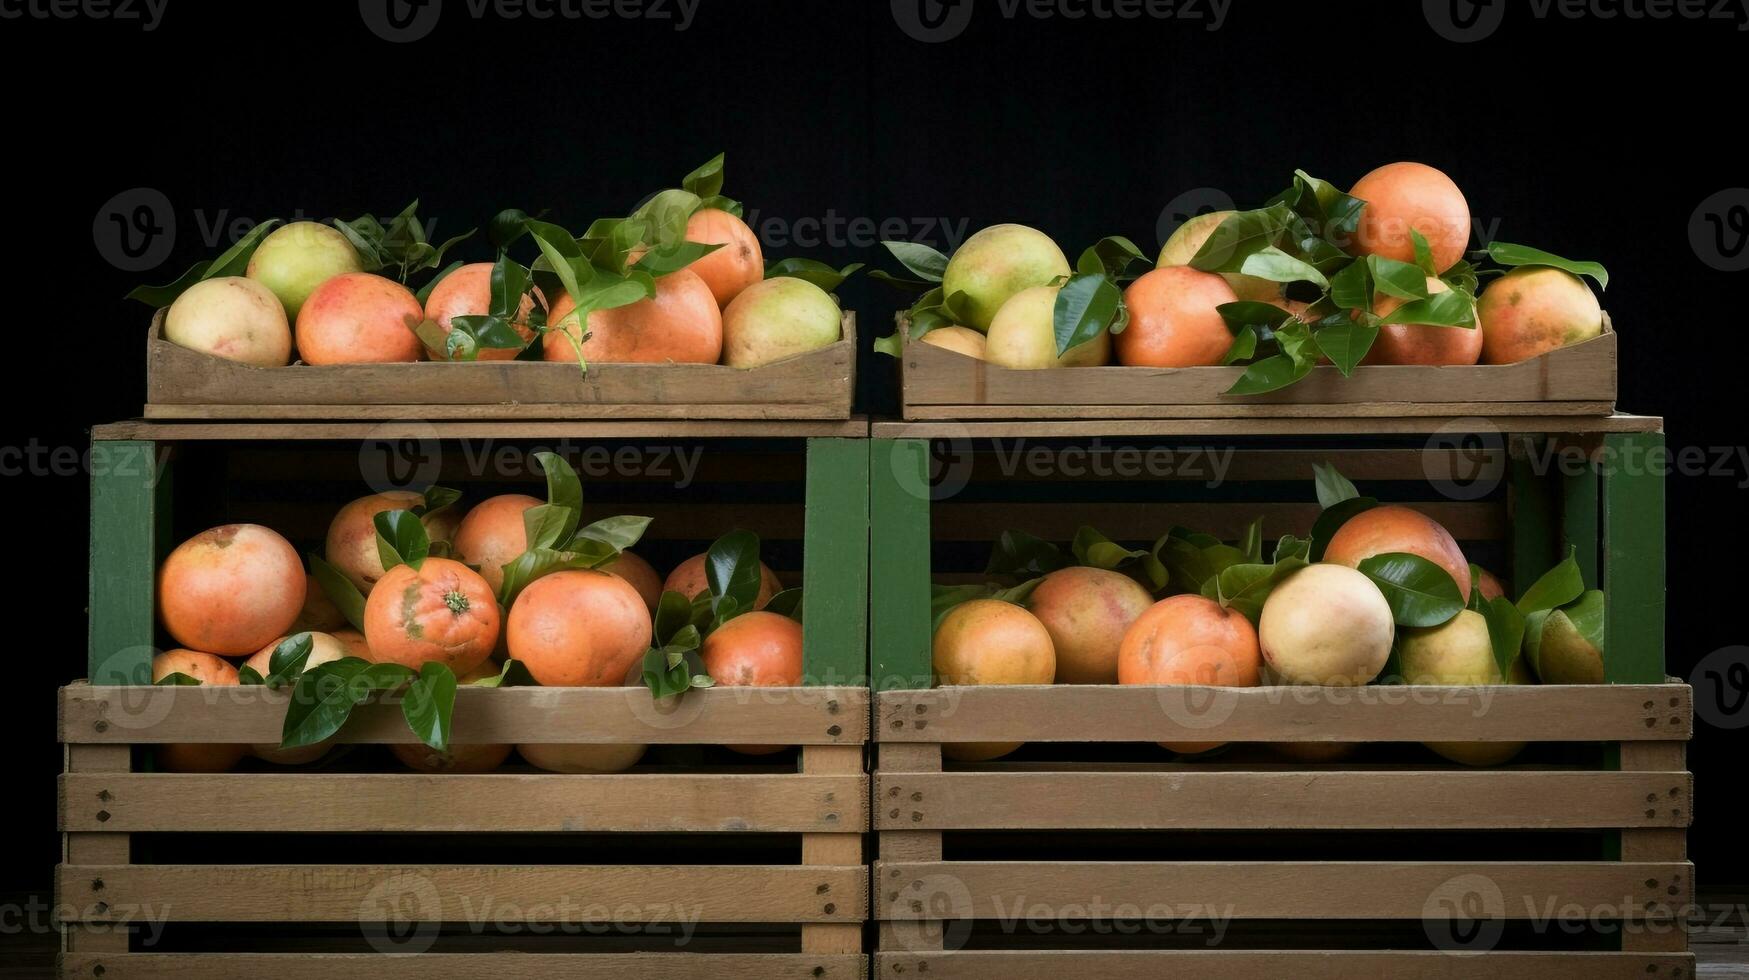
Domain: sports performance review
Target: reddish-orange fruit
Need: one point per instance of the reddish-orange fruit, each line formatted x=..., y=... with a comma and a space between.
x=1394, y=528
x=1417, y=343
x=324, y=648
x=579, y=628
x=642, y=577
x=1405, y=197
x=460, y=758
x=688, y=579
x=1490, y=584
x=1188, y=639
x=756, y=649
x=441, y=612
x=988, y=641
x=468, y=292
x=360, y=318
x=493, y=535
x=1533, y=310
x=1087, y=612
x=682, y=323
x=735, y=266
x=1175, y=320
x=230, y=589
x=354, y=643
x=319, y=613
x=351, y=544
x=211, y=671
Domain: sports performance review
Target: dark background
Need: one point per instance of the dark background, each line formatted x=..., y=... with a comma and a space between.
x=1080, y=127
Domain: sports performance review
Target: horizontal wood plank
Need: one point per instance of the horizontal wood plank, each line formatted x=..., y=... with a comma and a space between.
x=1067, y=891
x=254, y=714
x=294, y=802
x=1241, y=964
x=1590, y=409
x=1377, y=713
x=1041, y=426
x=461, y=894
x=1303, y=800
x=466, y=966
x=414, y=426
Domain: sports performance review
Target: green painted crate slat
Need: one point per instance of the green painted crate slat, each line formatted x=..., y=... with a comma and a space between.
x=1633, y=572
x=128, y=510
x=900, y=635
x=835, y=565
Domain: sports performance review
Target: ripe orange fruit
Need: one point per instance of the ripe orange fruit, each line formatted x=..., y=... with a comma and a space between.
x=682, y=324
x=1174, y=320
x=468, y=292
x=211, y=671
x=756, y=649
x=1395, y=528
x=1088, y=611
x=735, y=266
x=579, y=628
x=640, y=575
x=230, y=589
x=1187, y=639
x=1405, y=197
x=987, y=641
x=1415, y=343
x=351, y=545
x=441, y=612
x=360, y=318
x=493, y=535
x=688, y=579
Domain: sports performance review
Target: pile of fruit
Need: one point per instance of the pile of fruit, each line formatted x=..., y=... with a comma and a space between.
x=1379, y=593
x=680, y=280
x=1376, y=275
x=412, y=597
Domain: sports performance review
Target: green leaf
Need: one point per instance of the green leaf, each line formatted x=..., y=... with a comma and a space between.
x=1288, y=546
x=564, y=489
x=786, y=603
x=809, y=270
x=1019, y=594
x=1244, y=346
x=1111, y=256
x=1332, y=487
x=231, y=262
x=943, y=599
x=672, y=258
x=424, y=292
x=1351, y=288
x=1338, y=214
x=339, y=590
x=619, y=533
x=707, y=180
x=1085, y=307
x=674, y=612
x=323, y=699
x=1505, y=631
x=401, y=538
x=289, y=659
x=1276, y=265
x=1245, y=587
x=1558, y=586
x=1587, y=616
x=177, y=679
x=1345, y=341
x=506, y=227
x=1331, y=521
x=1424, y=259
x=1393, y=278
x=1447, y=309
x=732, y=571
x=1511, y=255
x=514, y=673
x=1260, y=317
x=1272, y=373
x=891, y=345
x=435, y=500
x=1021, y=555
x=665, y=216
x=430, y=705
x=1241, y=235
x=1420, y=593
x=1095, y=550
x=546, y=526
x=249, y=677
x=1252, y=543
x=923, y=262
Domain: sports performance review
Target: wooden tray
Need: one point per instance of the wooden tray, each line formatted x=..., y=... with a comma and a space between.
x=942, y=384
x=186, y=384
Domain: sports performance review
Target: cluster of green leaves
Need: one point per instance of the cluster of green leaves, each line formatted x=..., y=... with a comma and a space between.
x=515, y=314
x=402, y=244
x=811, y=270
x=1561, y=593
x=400, y=541
x=733, y=577
x=1091, y=301
x=233, y=261
x=933, y=308
x=556, y=541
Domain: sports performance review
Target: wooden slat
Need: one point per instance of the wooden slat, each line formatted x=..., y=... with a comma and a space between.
x=467, y=966
x=1333, y=800
x=253, y=714
x=1608, y=890
x=340, y=430
x=126, y=501
x=1633, y=570
x=1227, y=465
x=899, y=634
x=296, y=802
x=1442, y=409
x=1043, y=427
x=1240, y=964
x=755, y=412
x=1077, y=713
x=107, y=847
x=985, y=521
x=835, y=589
x=452, y=893
x=836, y=849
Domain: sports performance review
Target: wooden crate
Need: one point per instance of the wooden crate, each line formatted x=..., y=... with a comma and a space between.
x=941, y=384
x=764, y=854
x=1370, y=866
x=187, y=384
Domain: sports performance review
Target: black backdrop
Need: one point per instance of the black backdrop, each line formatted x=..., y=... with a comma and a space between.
x=831, y=111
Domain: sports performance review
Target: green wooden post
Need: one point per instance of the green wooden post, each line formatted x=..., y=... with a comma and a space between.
x=900, y=567
x=1633, y=572
x=1580, y=494
x=127, y=511
x=1533, y=523
x=835, y=564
